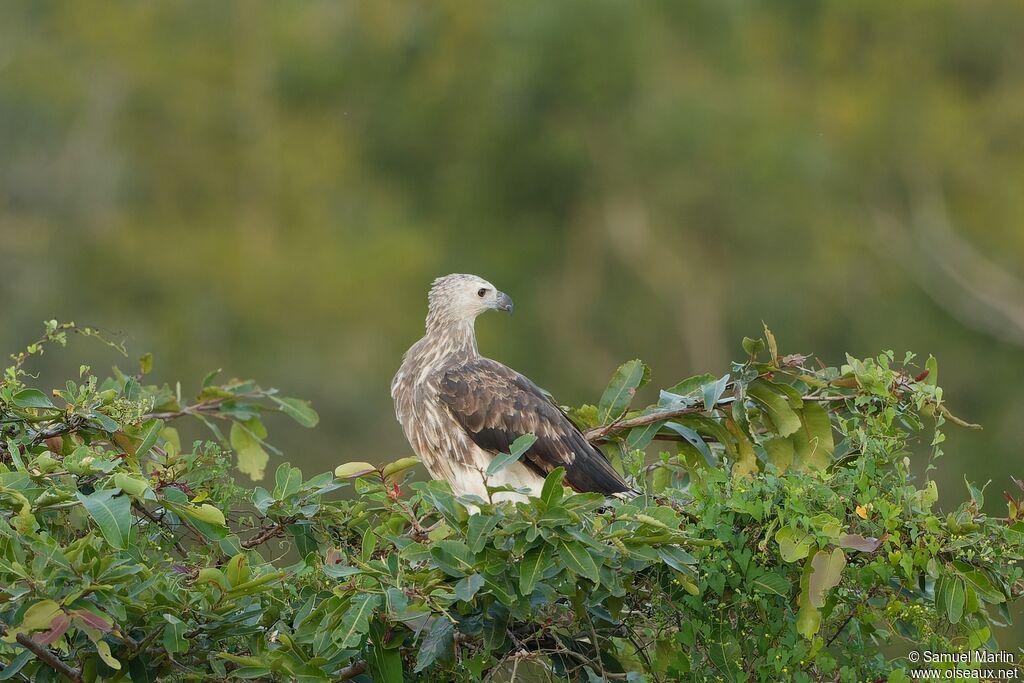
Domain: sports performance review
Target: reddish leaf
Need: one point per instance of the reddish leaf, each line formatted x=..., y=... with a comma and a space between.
x=93, y=620
x=862, y=543
x=58, y=627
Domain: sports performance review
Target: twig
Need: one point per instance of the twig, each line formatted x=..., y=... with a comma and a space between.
x=141, y=509
x=599, y=433
x=267, y=533
x=351, y=671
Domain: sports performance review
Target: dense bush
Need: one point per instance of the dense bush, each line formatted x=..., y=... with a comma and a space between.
x=780, y=536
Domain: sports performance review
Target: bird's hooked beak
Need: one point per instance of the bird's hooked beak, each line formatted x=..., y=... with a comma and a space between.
x=503, y=302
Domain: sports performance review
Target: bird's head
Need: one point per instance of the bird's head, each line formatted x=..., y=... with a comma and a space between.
x=459, y=298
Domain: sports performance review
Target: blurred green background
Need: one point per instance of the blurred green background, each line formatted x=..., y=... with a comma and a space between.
x=271, y=187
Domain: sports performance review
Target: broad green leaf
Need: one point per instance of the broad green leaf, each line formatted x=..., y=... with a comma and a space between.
x=695, y=440
x=479, y=530
x=32, y=398
x=516, y=451
x=299, y=410
x=174, y=634
x=351, y=470
x=553, y=490
x=753, y=346
x=808, y=620
x=130, y=485
x=112, y=514
x=746, y=459
x=793, y=544
x=813, y=442
x=148, y=434
x=453, y=558
x=467, y=587
x=287, y=480
x=979, y=581
x=677, y=558
x=713, y=391
x=772, y=582
x=640, y=437
x=436, y=644
x=532, y=567
x=826, y=571
x=237, y=570
x=578, y=560
x=252, y=458
x=780, y=452
x=616, y=398
x=776, y=404
x=399, y=466
x=356, y=620
x=955, y=598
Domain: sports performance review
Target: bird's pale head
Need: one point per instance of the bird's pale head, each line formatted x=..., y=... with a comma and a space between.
x=459, y=297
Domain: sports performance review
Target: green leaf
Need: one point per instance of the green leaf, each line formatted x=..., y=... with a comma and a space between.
x=532, y=567
x=793, y=544
x=131, y=485
x=553, y=490
x=467, y=587
x=252, y=458
x=753, y=346
x=677, y=558
x=932, y=366
x=782, y=416
x=516, y=451
x=616, y=398
x=436, y=644
x=287, y=480
x=356, y=620
x=813, y=443
x=713, y=391
x=808, y=620
x=979, y=581
x=399, y=466
x=826, y=571
x=148, y=434
x=480, y=527
x=453, y=558
x=31, y=398
x=955, y=598
x=694, y=439
x=174, y=634
x=576, y=558
x=352, y=470
x=112, y=513
x=299, y=410
x=772, y=582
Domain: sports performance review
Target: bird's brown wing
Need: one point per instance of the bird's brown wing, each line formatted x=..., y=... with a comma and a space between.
x=496, y=405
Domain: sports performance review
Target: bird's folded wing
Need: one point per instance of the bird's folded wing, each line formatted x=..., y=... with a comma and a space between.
x=496, y=405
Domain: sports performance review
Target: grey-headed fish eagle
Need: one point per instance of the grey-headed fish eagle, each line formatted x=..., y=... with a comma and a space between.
x=459, y=409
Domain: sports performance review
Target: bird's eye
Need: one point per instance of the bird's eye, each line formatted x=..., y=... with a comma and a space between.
x=480, y=293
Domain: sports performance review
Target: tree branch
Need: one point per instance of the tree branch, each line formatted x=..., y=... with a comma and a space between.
x=47, y=657
x=599, y=433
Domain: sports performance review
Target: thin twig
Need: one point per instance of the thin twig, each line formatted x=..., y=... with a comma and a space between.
x=268, y=533
x=599, y=433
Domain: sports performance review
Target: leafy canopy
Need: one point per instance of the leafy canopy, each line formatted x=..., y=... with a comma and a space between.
x=779, y=536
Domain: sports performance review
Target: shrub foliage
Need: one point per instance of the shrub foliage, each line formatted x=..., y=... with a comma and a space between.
x=779, y=535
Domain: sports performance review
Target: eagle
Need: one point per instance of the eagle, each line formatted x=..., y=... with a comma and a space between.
x=459, y=409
